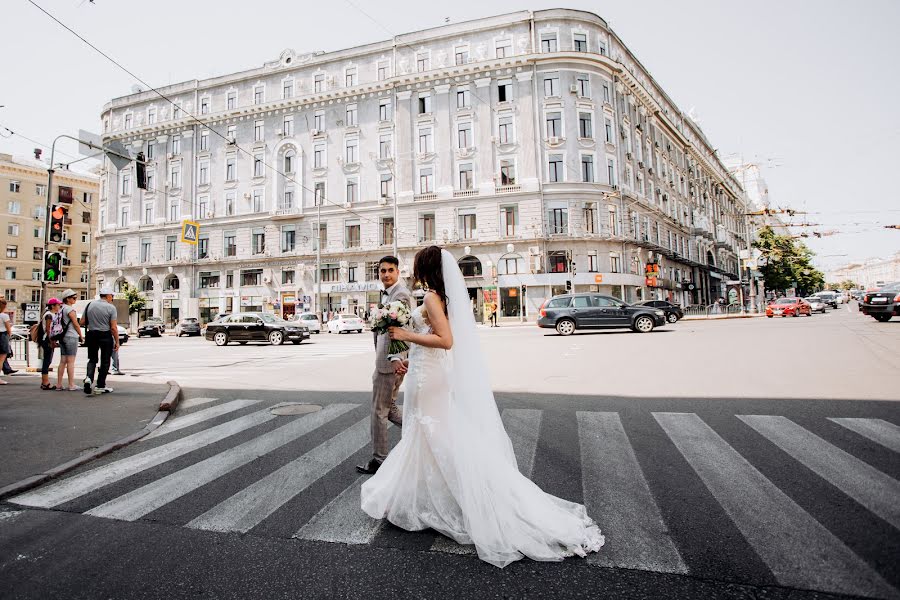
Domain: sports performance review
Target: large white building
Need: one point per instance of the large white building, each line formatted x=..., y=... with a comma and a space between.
x=870, y=274
x=534, y=146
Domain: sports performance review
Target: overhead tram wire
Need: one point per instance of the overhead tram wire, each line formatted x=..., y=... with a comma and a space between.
x=287, y=177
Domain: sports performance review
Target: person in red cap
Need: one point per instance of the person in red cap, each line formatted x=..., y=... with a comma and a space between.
x=50, y=320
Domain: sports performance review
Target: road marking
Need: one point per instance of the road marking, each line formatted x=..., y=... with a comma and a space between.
x=252, y=505
x=192, y=402
x=798, y=550
x=523, y=427
x=864, y=483
x=618, y=497
x=879, y=431
x=342, y=520
x=139, y=502
x=70, y=488
x=200, y=416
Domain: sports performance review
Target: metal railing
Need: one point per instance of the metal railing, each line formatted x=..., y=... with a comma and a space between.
x=21, y=350
x=714, y=310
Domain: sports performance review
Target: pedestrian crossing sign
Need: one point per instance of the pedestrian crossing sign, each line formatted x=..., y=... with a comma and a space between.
x=190, y=232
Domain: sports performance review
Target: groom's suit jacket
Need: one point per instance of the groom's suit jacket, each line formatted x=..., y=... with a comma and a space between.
x=382, y=341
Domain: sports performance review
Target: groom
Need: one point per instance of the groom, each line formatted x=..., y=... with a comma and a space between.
x=389, y=369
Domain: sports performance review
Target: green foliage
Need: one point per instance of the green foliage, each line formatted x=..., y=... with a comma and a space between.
x=787, y=263
x=136, y=300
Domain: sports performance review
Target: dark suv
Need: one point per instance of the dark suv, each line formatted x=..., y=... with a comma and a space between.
x=673, y=311
x=883, y=304
x=255, y=327
x=570, y=312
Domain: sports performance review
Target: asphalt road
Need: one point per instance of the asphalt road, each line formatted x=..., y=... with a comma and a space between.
x=740, y=459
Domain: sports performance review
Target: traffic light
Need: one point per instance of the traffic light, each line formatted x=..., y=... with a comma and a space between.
x=140, y=171
x=568, y=285
x=524, y=289
x=52, y=266
x=57, y=219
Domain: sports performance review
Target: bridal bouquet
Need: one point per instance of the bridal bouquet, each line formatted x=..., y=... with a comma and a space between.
x=393, y=314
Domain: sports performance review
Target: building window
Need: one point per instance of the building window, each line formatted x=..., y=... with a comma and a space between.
x=463, y=98
x=590, y=217
x=258, y=165
x=175, y=176
x=251, y=277
x=259, y=94
x=258, y=241
x=170, y=247
x=425, y=140
x=422, y=62
x=614, y=266
x=10, y=272
x=129, y=120
x=41, y=190
x=123, y=217
x=554, y=124
x=287, y=88
x=323, y=235
x=384, y=110
x=319, y=193
x=504, y=48
x=209, y=279
x=555, y=168
x=350, y=115
x=176, y=144
x=230, y=243
x=426, y=227
x=468, y=225
x=507, y=172
x=287, y=126
x=424, y=104
x=585, y=126
x=557, y=261
x=232, y=100
x=505, y=131
x=126, y=184
x=461, y=54
x=386, y=185
x=351, y=151
x=592, y=262
x=384, y=71
x=287, y=200
x=331, y=273
x=203, y=246
x=151, y=115
x=204, y=140
x=230, y=168
x=466, y=181
x=611, y=171
x=426, y=180
x=509, y=220
x=387, y=231
x=583, y=83
x=121, y=250
x=12, y=229
x=606, y=94
x=258, y=201
x=12, y=251
x=548, y=42
x=350, y=76
x=613, y=220
x=289, y=161
x=229, y=204
x=352, y=191
x=558, y=220
x=288, y=238
x=608, y=128
x=287, y=276
x=551, y=86
x=204, y=107
x=580, y=42
x=384, y=146
x=587, y=168
x=204, y=173
x=351, y=234
x=318, y=156
x=464, y=135
x=258, y=131
x=319, y=83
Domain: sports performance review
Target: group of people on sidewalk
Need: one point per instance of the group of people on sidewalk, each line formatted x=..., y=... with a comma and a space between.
x=61, y=328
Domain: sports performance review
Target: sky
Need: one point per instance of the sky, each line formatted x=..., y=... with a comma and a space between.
x=806, y=88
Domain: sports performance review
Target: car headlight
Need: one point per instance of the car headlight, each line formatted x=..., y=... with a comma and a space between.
x=659, y=313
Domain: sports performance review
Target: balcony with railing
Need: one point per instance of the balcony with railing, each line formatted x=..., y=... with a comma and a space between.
x=465, y=193
x=425, y=197
x=508, y=189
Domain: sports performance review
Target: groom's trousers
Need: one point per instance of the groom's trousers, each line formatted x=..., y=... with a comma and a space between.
x=385, y=387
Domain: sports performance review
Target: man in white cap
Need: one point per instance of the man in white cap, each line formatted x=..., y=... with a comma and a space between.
x=102, y=338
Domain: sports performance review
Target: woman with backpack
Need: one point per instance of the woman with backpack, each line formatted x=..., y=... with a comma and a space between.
x=50, y=326
x=68, y=343
x=5, y=333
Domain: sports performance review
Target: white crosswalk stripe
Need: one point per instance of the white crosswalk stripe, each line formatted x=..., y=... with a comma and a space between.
x=199, y=416
x=798, y=550
x=192, y=402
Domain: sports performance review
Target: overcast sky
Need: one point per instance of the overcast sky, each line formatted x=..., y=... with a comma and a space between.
x=809, y=86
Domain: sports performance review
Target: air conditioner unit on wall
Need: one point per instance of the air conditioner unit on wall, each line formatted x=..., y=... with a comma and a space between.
x=553, y=140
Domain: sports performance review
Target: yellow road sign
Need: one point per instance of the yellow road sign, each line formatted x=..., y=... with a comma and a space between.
x=190, y=232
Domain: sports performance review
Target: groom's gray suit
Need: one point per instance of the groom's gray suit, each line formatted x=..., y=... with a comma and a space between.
x=385, y=382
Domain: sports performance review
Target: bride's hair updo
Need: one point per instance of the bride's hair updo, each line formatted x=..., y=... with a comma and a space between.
x=427, y=271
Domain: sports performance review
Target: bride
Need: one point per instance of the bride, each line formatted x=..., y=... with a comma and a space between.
x=454, y=469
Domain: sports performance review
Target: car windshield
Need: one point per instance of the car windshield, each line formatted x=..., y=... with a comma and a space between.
x=891, y=287
x=786, y=301
x=559, y=302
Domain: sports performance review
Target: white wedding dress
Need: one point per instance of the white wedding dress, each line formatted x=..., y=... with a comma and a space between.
x=454, y=470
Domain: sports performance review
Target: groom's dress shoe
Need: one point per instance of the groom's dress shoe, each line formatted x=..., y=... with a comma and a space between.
x=369, y=468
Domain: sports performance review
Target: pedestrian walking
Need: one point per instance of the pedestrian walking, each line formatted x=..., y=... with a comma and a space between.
x=68, y=344
x=493, y=314
x=102, y=339
x=50, y=327
x=5, y=333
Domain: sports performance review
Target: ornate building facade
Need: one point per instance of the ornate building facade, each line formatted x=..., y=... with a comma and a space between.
x=533, y=146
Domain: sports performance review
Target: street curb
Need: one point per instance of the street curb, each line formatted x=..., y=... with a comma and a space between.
x=166, y=407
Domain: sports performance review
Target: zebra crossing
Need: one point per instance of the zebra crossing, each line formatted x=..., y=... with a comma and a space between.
x=263, y=465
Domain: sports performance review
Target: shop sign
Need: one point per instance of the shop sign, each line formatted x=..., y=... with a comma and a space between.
x=652, y=281
x=651, y=270
x=170, y=295
x=246, y=301
x=598, y=278
x=363, y=286
x=167, y=304
x=513, y=292
x=289, y=299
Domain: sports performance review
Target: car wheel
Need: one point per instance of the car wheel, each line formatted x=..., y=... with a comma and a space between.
x=882, y=318
x=643, y=324
x=769, y=316
x=672, y=318
x=276, y=338
x=221, y=338
x=565, y=327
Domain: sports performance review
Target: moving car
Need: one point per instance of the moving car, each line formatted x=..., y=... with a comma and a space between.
x=788, y=307
x=311, y=320
x=21, y=330
x=255, y=327
x=568, y=313
x=345, y=323
x=152, y=327
x=123, y=337
x=883, y=304
x=673, y=311
x=188, y=326
x=815, y=304
x=829, y=298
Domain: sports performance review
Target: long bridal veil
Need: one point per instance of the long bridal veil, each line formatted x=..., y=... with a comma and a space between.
x=506, y=515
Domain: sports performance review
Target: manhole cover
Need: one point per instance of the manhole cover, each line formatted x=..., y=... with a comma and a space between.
x=294, y=408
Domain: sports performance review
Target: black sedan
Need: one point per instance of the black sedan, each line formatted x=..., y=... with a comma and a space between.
x=570, y=312
x=883, y=304
x=152, y=327
x=673, y=311
x=255, y=327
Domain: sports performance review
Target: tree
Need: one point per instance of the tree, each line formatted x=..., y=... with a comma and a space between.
x=787, y=264
x=136, y=300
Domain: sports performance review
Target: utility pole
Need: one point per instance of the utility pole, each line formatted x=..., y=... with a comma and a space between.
x=318, y=238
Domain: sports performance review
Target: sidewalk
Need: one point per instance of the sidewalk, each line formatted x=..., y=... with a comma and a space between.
x=40, y=429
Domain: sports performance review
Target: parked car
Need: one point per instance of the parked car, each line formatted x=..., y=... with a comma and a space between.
x=311, y=320
x=570, y=312
x=123, y=337
x=255, y=327
x=189, y=326
x=345, y=324
x=673, y=311
x=152, y=327
x=883, y=304
x=21, y=330
x=816, y=304
x=829, y=298
x=788, y=307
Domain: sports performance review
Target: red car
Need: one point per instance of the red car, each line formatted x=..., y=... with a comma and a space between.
x=788, y=307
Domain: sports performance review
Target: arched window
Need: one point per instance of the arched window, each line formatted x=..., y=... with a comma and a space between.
x=511, y=264
x=710, y=259
x=470, y=266
x=146, y=284
x=171, y=283
x=120, y=284
x=290, y=158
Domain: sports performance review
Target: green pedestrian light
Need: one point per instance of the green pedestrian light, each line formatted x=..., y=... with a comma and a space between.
x=52, y=263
